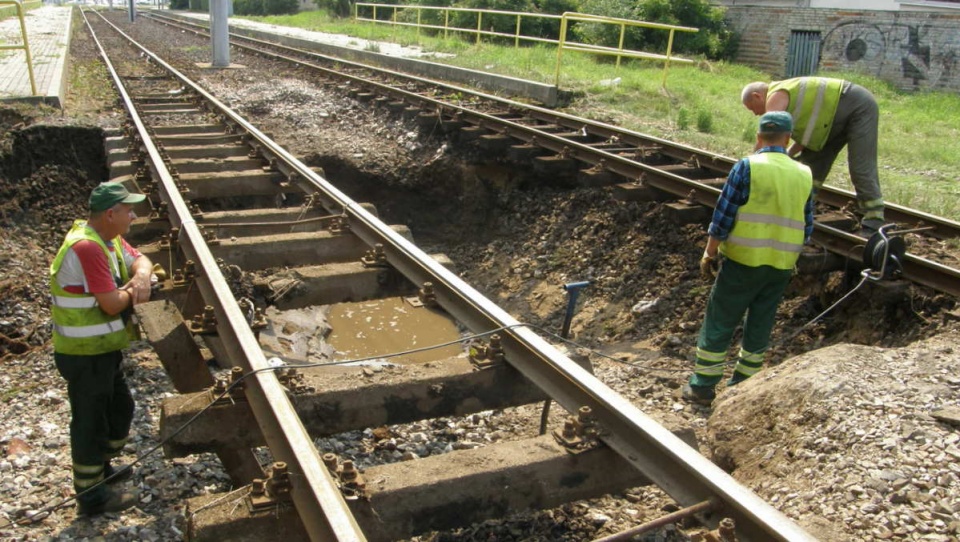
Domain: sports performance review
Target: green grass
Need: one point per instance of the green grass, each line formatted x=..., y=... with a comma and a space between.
x=919, y=149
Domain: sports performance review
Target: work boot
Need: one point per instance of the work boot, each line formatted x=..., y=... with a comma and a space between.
x=701, y=395
x=737, y=378
x=123, y=473
x=870, y=226
x=116, y=501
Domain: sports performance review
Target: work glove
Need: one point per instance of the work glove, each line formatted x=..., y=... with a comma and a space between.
x=709, y=266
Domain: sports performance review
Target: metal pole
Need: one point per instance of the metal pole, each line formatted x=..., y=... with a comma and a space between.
x=219, y=33
x=26, y=44
x=623, y=31
x=132, y=9
x=573, y=292
x=516, y=41
x=666, y=63
x=563, y=39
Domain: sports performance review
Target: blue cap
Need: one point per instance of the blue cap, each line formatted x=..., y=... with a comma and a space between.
x=776, y=122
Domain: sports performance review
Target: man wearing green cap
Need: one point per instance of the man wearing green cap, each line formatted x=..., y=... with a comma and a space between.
x=96, y=279
x=763, y=217
x=828, y=115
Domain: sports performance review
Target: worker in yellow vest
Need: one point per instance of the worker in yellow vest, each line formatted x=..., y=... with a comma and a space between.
x=763, y=217
x=95, y=279
x=829, y=114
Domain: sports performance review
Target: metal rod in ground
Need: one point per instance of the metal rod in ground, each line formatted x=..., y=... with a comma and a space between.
x=573, y=291
x=659, y=522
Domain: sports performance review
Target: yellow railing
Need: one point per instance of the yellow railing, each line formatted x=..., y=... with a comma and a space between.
x=26, y=44
x=394, y=9
x=618, y=51
x=374, y=9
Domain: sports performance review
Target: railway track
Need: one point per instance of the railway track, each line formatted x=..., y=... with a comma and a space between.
x=653, y=168
x=226, y=202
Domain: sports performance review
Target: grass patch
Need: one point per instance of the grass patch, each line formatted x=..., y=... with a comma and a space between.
x=919, y=149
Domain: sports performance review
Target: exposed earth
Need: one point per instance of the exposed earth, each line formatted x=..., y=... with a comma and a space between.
x=850, y=430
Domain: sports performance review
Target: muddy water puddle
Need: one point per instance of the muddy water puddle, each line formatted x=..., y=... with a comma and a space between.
x=366, y=329
x=380, y=327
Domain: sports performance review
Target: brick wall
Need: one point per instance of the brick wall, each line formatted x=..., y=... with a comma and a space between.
x=913, y=50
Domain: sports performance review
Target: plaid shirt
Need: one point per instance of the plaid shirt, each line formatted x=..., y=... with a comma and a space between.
x=736, y=192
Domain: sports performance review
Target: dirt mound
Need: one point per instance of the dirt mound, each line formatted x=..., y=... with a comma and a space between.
x=858, y=421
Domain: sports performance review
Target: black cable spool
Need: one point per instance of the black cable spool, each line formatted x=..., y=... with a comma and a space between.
x=884, y=254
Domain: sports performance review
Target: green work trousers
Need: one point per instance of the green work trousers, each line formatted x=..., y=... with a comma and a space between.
x=102, y=409
x=739, y=290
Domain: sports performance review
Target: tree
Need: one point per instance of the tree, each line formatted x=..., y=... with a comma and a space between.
x=714, y=40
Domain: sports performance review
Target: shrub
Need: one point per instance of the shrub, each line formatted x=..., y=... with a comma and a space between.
x=683, y=118
x=264, y=7
x=704, y=121
x=337, y=8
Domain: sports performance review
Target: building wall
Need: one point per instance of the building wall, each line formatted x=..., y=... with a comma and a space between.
x=913, y=50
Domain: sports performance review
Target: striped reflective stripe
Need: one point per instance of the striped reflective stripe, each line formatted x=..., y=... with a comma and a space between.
x=747, y=370
x=756, y=357
x=86, y=302
x=799, y=103
x=765, y=243
x=114, y=447
x=706, y=355
x=709, y=363
x=84, y=483
x=709, y=370
x=87, y=469
x=96, y=330
x=758, y=218
x=817, y=106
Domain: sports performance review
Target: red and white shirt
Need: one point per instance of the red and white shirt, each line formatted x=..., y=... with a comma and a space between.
x=85, y=270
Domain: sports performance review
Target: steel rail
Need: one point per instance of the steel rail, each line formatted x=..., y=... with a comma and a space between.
x=916, y=269
x=834, y=197
x=318, y=501
x=673, y=465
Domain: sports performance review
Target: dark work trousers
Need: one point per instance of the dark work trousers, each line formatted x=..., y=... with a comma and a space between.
x=739, y=290
x=102, y=413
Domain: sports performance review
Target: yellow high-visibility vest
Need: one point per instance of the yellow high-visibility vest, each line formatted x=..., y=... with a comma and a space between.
x=79, y=326
x=813, y=105
x=768, y=229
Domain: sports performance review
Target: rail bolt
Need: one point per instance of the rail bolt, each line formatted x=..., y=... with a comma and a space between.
x=258, y=486
x=496, y=348
x=427, y=295
x=209, y=318
x=349, y=472
x=331, y=461
x=727, y=530
x=569, y=429
x=375, y=258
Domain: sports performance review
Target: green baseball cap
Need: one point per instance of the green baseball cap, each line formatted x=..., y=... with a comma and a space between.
x=108, y=194
x=776, y=122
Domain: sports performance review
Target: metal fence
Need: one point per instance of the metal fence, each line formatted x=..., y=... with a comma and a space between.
x=19, y=9
x=404, y=15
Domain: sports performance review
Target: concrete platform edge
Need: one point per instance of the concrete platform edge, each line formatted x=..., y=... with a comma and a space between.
x=498, y=84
